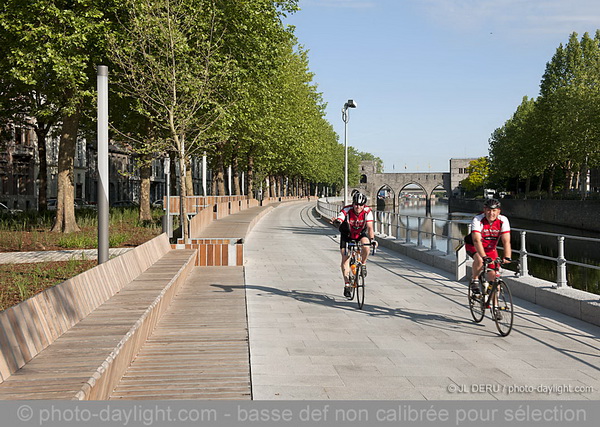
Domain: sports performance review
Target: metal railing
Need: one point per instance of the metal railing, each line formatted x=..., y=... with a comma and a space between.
x=561, y=261
x=434, y=233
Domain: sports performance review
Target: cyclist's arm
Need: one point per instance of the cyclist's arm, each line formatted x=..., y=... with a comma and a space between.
x=478, y=243
x=370, y=231
x=506, y=245
x=338, y=220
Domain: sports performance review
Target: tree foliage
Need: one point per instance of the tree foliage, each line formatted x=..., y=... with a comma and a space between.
x=479, y=172
x=187, y=76
x=560, y=130
x=48, y=50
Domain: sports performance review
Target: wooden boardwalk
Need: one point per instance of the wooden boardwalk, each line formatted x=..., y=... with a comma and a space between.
x=199, y=349
x=101, y=339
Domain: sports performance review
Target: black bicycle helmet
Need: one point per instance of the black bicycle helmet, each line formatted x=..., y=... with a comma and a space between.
x=492, y=204
x=359, y=198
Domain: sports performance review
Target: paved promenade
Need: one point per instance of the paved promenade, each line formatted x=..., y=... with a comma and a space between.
x=280, y=329
x=414, y=338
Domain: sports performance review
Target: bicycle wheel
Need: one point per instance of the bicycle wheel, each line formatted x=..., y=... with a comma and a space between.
x=352, y=287
x=360, y=288
x=477, y=304
x=502, y=309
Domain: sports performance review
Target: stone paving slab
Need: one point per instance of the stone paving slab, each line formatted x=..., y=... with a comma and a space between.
x=414, y=339
x=64, y=255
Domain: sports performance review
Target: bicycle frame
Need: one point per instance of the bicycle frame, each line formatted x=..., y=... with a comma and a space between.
x=498, y=299
x=357, y=279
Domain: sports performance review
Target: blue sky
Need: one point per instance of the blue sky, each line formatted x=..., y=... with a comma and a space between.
x=432, y=78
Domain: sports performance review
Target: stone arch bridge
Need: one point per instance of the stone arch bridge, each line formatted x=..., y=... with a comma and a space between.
x=371, y=183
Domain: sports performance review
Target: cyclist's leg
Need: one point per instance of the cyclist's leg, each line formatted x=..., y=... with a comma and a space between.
x=491, y=275
x=345, y=264
x=476, y=268
x=364, y=250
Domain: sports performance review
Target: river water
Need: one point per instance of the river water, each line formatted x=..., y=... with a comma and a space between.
x=587, y=252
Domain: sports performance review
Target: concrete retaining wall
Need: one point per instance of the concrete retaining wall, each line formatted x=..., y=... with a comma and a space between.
x=581, y=214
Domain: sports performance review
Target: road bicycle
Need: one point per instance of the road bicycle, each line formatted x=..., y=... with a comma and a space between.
x=357, y=276
x=494, y=295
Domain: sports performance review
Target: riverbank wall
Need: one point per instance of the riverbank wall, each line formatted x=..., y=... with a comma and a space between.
x=580, y=214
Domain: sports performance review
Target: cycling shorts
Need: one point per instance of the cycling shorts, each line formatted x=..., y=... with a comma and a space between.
x=493, y=254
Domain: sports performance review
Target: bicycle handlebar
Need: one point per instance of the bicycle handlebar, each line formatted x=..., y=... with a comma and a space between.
x=373, y=245
x=488, y=260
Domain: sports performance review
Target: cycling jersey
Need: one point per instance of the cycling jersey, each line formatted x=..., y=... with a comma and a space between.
x=356, y=222
x=490, y=232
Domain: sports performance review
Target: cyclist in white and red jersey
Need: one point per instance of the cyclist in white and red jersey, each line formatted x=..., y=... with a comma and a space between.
x=487, y=229
x=355, y=225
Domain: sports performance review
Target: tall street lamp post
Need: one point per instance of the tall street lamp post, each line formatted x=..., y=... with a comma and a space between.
x=346, y=118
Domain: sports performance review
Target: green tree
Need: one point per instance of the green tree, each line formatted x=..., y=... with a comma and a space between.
x=168, y=58
x=49, y=49
x=479, y=171
x=570, y=104
x=512, y=153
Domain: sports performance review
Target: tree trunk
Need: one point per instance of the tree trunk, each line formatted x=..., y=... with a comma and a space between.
x=250, y=177
x=145, y=174
x=182, y=194
x=236, y=176
x=174, y=190
x=220, y=172
x=41, y=132
x=583, y=174
x=189, y=181
x=551, y=182
x=539, y=184
x=65, y=221
x=568, y=178
x=272, y=185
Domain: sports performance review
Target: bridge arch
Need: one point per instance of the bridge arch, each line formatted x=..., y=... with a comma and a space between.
x=386, y=197
x=374, y=182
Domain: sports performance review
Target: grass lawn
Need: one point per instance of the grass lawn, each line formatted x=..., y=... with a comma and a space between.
x=30, y=231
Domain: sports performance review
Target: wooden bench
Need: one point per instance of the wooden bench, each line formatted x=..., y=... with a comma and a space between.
x=75, y=340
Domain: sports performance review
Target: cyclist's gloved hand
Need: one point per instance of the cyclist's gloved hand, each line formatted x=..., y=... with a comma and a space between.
x=506, y=260
x=487, y=260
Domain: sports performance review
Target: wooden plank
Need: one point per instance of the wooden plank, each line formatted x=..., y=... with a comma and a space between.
x=199, y=349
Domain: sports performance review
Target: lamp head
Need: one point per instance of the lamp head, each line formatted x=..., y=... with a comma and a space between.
x=350, y=104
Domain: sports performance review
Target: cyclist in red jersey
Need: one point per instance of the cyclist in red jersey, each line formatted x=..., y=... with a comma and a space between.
x=487, y=229
x=356, y=225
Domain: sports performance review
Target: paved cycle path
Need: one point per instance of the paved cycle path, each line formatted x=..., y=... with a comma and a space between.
x=414, y=338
